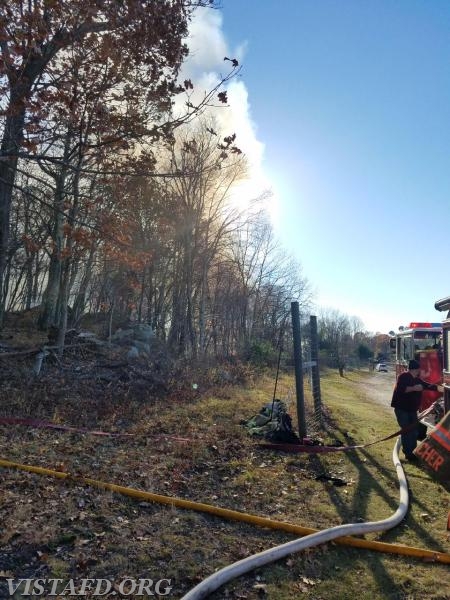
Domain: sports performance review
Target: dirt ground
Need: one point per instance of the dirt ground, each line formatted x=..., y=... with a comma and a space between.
x=381, y=387
x=186, y=444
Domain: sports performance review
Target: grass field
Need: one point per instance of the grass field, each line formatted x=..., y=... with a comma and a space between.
x=374, y=496
x=64, y=529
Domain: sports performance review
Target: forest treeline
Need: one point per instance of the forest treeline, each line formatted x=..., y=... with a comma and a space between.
x=116, y=185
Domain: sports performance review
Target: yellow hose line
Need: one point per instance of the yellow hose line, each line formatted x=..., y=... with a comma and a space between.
x=234, y=515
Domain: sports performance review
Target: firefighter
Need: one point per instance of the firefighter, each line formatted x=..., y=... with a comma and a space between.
x=406, y=401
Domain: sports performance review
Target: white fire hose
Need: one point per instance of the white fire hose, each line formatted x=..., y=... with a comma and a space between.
x=220, y=578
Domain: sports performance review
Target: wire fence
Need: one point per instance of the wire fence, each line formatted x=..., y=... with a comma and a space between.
x=306, y=403
x=287, y=393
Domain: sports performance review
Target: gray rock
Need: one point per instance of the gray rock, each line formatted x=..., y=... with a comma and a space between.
x=133, y=352
x=140, y=332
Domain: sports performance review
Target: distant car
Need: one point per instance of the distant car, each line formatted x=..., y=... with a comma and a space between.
x=381, y=367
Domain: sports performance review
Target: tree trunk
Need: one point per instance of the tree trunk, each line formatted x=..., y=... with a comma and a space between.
x=80, y=299
x=49, y=308
x=12, y=139
x=62, y=321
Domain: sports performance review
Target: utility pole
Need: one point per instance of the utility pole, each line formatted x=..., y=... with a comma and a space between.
x=298, y=369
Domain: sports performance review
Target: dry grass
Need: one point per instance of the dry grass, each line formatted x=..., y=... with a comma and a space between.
x=62, y=529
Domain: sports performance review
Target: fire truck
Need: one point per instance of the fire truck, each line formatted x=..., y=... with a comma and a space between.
x=442, y=305
x=422, y=342
x=434, y=451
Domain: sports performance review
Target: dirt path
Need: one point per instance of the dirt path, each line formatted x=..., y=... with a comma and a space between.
x=379, y=387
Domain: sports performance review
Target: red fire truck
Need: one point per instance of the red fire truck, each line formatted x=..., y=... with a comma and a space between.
x=442, y=305
x=422, y=342
x=434, y=451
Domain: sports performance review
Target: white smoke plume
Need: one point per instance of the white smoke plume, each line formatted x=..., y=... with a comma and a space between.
x=206, y=67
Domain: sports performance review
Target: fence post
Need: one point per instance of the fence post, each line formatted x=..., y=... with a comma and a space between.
x=315, y=373
x=298, y=369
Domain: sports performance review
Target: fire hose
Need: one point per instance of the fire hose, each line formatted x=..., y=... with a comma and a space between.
x=234, y=515
x=220, y=578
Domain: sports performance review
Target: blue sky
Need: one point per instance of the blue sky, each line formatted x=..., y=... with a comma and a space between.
x=349, y=106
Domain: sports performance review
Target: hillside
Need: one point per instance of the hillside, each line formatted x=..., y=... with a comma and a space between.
x=187, y=441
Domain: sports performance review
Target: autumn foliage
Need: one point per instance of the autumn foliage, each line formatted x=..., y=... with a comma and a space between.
x=115, y=198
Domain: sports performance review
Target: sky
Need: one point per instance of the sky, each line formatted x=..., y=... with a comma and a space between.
x=343, y=110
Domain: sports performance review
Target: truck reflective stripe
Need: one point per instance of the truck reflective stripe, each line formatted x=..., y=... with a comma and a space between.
x=442, y=436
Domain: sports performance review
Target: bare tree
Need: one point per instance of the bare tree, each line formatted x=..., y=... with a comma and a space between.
x=203, y=221
x=269, y=278
x=335, y=337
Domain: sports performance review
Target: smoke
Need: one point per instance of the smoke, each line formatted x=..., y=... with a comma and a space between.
x=206, y=67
